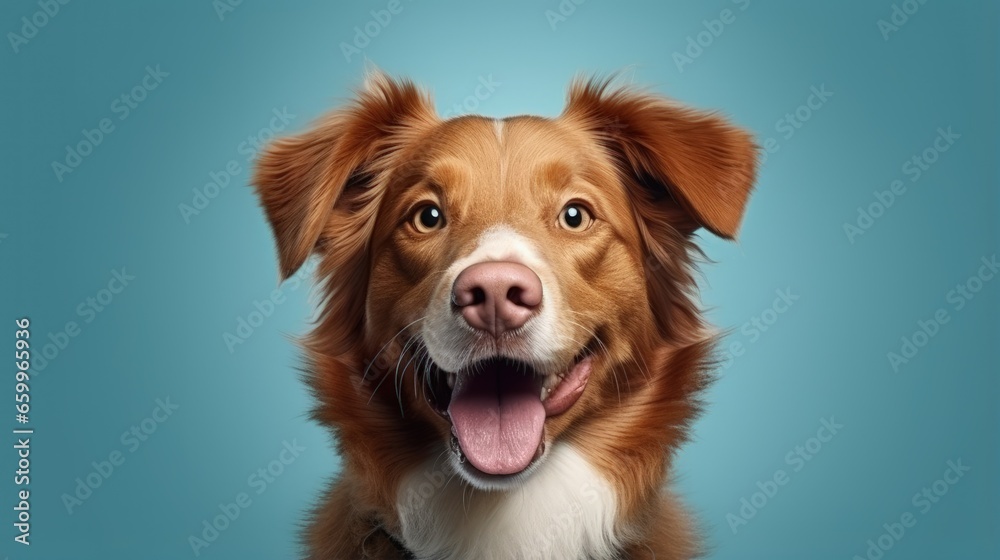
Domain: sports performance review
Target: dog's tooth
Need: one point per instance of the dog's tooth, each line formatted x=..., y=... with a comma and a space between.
x=451, y=380
x=540, y=451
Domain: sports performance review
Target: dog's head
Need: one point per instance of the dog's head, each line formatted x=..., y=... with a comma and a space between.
x=520, y=270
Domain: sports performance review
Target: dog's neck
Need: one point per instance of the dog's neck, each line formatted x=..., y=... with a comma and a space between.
x=564, y=510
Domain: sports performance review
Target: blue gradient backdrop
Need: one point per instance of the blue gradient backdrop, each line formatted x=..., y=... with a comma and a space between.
x=194, y=278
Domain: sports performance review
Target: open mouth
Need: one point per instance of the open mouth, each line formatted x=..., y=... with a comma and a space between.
x=497, y=409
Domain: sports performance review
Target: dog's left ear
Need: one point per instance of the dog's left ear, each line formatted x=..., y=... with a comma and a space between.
x=706, y=165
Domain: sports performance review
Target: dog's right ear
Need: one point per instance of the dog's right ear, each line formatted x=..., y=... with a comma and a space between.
x=300, y=179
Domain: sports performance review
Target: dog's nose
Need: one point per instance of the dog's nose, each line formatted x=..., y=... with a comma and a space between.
x=497, y=296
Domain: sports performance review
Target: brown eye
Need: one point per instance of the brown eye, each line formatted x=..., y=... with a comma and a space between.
x=428, y=219
x=575, y=217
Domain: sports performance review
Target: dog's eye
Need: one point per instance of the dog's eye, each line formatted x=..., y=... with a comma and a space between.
x=575, y=217
x=428, y=218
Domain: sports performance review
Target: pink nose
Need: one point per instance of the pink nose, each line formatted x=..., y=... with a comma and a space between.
x=497, y=296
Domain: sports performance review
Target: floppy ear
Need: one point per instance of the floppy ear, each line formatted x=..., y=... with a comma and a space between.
x=706, y=165
x=301, y=179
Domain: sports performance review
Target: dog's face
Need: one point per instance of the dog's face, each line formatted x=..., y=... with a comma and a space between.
x=511, y=252
x=518, y=270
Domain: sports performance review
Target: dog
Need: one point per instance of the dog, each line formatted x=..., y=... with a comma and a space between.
x=509, y=348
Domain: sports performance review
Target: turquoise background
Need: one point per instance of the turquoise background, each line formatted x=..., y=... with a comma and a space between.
x=825, y=356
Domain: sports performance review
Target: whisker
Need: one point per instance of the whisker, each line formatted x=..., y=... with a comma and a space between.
x=419, y=355
x=614, y=367
x=406, y=367
x=397, y=378
x=379, y=353
x=643, y=367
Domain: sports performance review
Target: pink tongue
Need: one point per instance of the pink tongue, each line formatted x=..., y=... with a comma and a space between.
x=498, y=417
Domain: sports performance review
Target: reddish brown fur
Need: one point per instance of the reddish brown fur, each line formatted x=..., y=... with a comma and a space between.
x=655, y=171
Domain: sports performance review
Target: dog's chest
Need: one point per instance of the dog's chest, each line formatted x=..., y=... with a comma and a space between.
x=565, y=510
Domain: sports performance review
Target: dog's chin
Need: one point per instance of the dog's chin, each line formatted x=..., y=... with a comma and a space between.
x=497, y=410
x=492, y=482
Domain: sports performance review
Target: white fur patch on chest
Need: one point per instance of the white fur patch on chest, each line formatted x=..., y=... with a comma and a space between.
x=564, y=511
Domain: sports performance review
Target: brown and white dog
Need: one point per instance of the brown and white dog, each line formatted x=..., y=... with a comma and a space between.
x=509, y=349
